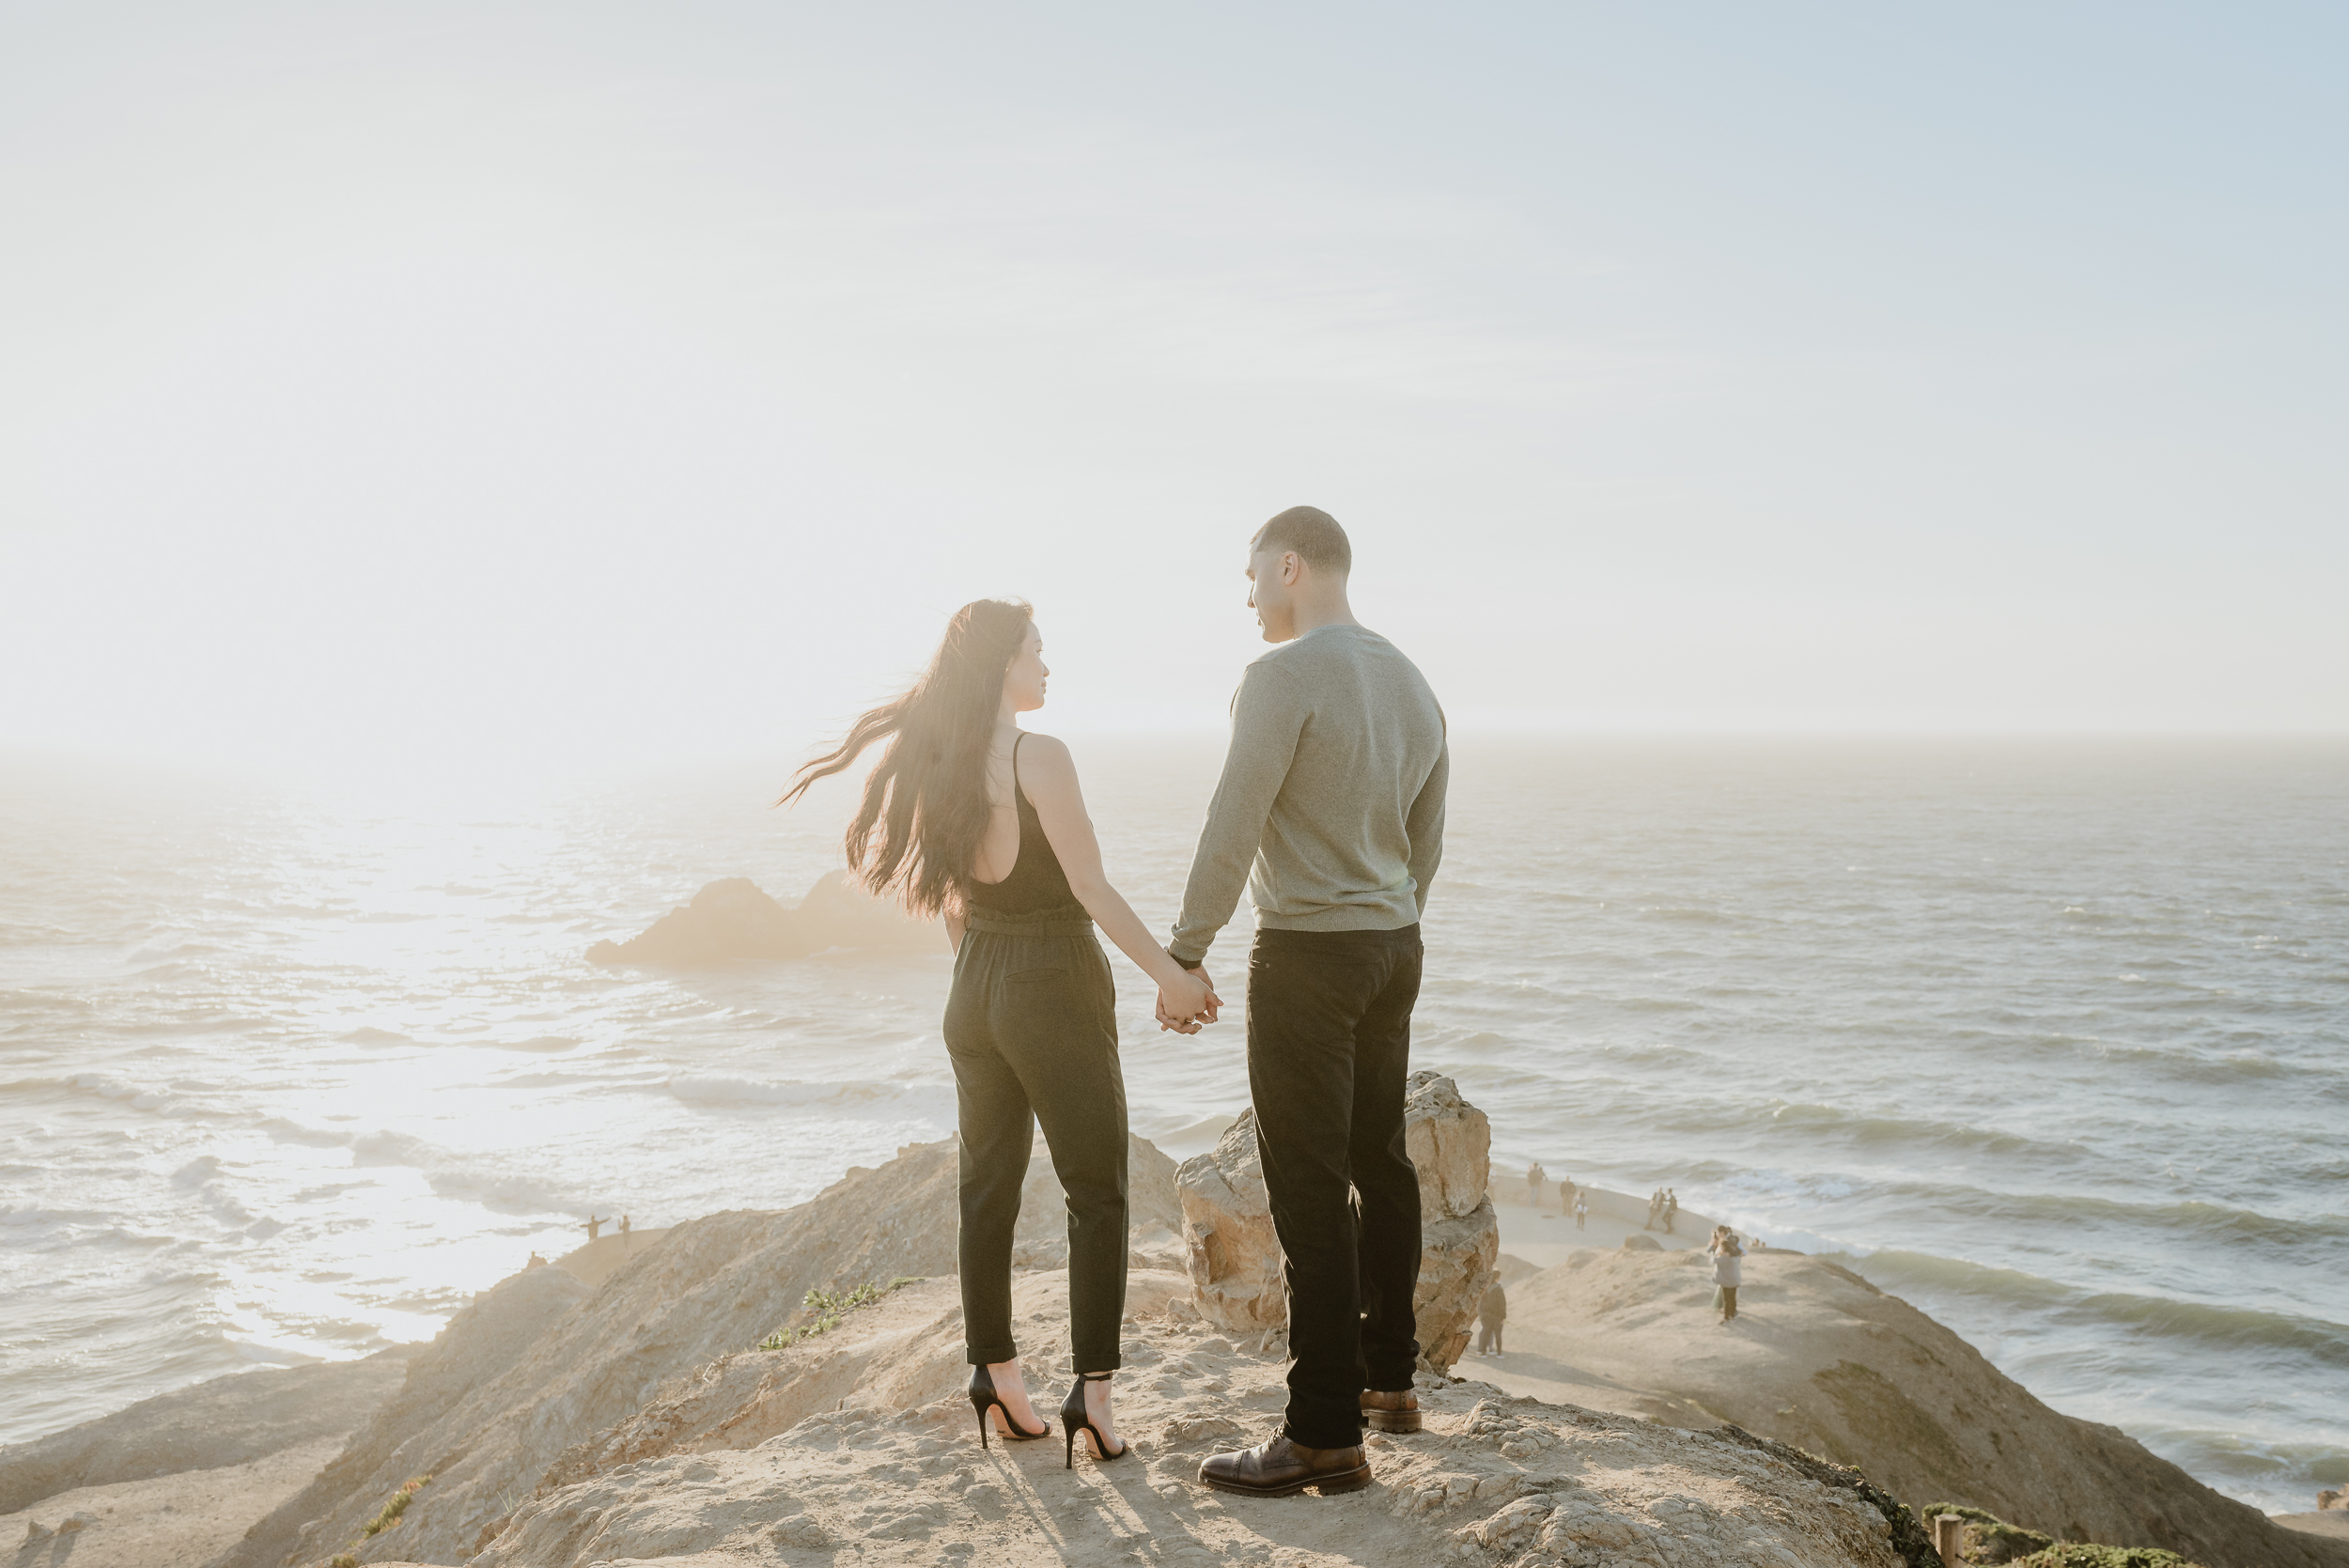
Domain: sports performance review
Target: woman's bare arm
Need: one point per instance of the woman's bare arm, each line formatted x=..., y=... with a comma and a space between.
x=1048, y=776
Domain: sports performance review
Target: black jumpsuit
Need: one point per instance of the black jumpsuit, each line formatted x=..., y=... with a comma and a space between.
x=1032, y=1030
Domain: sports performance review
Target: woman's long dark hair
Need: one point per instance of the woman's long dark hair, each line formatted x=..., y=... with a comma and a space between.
x=916, y=836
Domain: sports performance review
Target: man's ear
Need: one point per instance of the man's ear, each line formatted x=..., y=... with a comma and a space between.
x=1292, y=568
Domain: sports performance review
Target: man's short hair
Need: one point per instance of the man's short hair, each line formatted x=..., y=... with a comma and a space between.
x=1313, y=533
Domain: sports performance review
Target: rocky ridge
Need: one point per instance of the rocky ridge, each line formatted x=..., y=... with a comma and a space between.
x=540, y=1362
x=1824, y=1360
x=867, y=1446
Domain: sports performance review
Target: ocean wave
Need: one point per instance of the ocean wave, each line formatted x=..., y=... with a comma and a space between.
x=163, y=1101
x=717, y=1090
x=500, y=1191
x=391, y=1148
x=283, y=1129
x=2214, y=1326
x=1867, y=1127
x=198, y=1171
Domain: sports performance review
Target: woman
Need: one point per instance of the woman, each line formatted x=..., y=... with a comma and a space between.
x=1729, y=1268
x=970, y=817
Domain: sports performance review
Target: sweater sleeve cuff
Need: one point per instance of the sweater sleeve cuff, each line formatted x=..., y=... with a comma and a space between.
x=1191, y=961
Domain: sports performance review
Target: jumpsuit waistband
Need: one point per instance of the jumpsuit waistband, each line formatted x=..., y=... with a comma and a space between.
x=1070, y=920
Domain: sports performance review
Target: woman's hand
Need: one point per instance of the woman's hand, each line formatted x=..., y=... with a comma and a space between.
x=1186, y=1001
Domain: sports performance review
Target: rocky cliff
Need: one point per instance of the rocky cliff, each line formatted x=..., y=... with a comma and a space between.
x=1820, y=1359
x=859, y=1444
x=541, y=1363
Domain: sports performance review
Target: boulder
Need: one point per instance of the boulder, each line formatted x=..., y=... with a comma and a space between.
x=1230, y=1253
x=1235, y=1260
x=732, y=919
x=1451, y=1142
x=1640, y=1241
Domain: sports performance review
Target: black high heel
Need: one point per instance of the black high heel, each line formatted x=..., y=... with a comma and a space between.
x=984, y=1398
x=1073, y=1417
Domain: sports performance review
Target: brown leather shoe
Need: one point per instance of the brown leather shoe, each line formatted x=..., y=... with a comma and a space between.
x=1390, y=1412
x=1280, y=1468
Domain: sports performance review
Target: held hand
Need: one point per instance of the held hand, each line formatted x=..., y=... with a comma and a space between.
x=1185, y=996
x=1180, y=1025
x=1183, y=999
x=1215, y=1003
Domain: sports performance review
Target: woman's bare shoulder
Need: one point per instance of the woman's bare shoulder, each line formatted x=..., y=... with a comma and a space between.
x=1049, y=749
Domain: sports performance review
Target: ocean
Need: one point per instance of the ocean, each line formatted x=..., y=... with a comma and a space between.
x=2051, y=1037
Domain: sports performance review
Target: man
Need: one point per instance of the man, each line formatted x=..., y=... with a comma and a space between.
x=1330, y=811
x=1534, y=1175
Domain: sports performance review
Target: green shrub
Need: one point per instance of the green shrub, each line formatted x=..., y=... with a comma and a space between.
x=389, y=1514
x=829, y=1310
x=1989, y=1537
x=2071, y=1555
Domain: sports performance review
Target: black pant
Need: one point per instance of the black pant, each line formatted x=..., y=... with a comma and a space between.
x=1031, y=1031
x=1329, y=1054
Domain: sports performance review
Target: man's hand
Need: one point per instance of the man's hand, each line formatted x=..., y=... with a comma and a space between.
x=1184, y=1005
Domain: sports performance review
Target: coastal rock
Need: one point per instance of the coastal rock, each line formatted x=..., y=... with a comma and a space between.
x=1230, y=1253
x=1451, y=1142
x=1640, y=1241
x=732, y=920
x=180, y=1518
x=224, y=1421
x=1235, y=1259
x=859, y=1443
x=542, y=1364
x=1823, y=1360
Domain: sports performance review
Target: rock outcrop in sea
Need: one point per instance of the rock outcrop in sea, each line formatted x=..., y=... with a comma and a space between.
x=731, y=920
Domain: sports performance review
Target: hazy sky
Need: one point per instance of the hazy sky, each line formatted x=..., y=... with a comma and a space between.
x=543, y=382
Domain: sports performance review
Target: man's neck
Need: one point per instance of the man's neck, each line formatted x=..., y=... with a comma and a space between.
x=1314, y=617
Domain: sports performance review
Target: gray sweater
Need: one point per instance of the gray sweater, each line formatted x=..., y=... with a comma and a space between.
x=1331, y=808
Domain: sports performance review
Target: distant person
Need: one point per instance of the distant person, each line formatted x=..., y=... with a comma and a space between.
x=1671, y=1210
x=1329, y=811
x=1761, y=1245
x=1566, y=1190
x=594, y=1224
x=624, y=1229
x=1492, y=1314
x=536, y=1261
x=1534, y=1175
x=961, y=820
x=1582, y=1210
x=1655, y=1209
x=1729, y=1267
